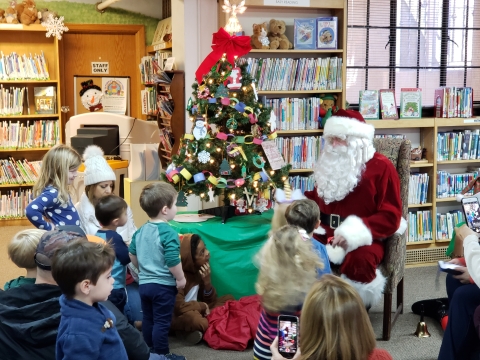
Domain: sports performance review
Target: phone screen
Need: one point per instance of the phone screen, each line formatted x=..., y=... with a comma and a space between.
x=287, y=336
x=471, y=210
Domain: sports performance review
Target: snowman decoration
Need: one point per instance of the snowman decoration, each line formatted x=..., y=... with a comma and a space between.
x=91, y=96
x=200, y=129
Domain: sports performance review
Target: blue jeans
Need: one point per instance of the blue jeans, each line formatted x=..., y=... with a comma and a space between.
x=158, y=302
x=460, y=339
x=133, y=307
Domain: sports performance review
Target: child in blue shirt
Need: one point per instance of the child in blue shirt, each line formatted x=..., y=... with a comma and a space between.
x=111, y=213
x=87, y=329
x=58, y=171
x=155, y=251
x=305, y=214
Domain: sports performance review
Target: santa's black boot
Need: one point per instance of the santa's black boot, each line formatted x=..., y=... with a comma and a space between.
x=434, y=308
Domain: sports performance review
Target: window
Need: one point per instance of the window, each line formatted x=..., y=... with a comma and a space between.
x=426, y=44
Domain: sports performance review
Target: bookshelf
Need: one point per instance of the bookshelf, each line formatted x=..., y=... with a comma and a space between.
x=428, y=130
x=29, y=40
x=176, y=124
x=257, y=13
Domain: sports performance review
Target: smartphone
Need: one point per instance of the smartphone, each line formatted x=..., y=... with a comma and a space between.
x=449, y=268
x=288, y=327
x=471, y=211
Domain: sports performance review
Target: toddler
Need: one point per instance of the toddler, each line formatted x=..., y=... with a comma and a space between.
x=53, y=206
x=83, y=271
x=21, y=251
x=287, y=271
x=155, y=251
x=111, y=213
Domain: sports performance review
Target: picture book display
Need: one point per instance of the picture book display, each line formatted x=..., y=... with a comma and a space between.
x=45, y=99
x=410, y=103
x=388, y=106
x=368, y=104
x=327, y=33
x=305, y=33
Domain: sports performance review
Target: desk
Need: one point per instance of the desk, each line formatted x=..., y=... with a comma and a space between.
x=232, y=247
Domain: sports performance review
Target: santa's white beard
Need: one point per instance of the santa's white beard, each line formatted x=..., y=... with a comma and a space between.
x=337, y=172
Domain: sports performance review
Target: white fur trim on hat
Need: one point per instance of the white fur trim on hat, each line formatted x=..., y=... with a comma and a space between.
x=96, y=167
x=354, y=230
x=345, y=126
x=371, y=293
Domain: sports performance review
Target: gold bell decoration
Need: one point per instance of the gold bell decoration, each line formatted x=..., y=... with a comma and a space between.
x=422, y=330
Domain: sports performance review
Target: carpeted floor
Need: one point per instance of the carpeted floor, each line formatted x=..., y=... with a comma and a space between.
x=419, y=284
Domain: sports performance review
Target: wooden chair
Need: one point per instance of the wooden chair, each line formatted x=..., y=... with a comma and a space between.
x=393, y=265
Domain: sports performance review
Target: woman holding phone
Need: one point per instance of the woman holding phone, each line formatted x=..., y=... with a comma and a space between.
x=346, y=331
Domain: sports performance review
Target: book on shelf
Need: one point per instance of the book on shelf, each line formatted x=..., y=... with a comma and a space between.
x=16, y=67
x=165, y=105
x=166, y=139
x=14, y=101
x=327, y=33
x=304, y=183
x=410, y=103
x=14, y=202
x=368, y=104
x=388, y=105
x=418, y=188
x=18, y=172
x=453, y=102
x=149, y=101
x=458, y=145
x=419, y=226
x=446, y=224
x=304, y=74
x=295, y=113
x=305, y=31
x=301, y=152
x=20, y=135
x=163, y=32
x=45, y=99
x=450, y=185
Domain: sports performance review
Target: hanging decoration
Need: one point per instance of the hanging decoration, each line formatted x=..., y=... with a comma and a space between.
x=55, y=26
x=181, y=199
x=204, y=157
x=233, y=25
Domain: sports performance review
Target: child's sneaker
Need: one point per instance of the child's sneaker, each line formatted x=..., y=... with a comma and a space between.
x=156, y=357
x=193, y=337
x=171, y=356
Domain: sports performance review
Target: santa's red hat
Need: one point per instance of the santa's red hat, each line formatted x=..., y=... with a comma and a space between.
x=349, y=123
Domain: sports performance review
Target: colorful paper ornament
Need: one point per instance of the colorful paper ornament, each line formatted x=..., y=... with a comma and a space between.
x=211, y=194
x=189, y=104
x=225, y=168
x=181, y=199
x=233, y=80
x=232, y=124
x=273, y=121
x=222, y=92
x=240, y=107
x=204, y=157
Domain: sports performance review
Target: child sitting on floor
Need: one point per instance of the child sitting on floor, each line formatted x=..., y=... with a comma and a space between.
x=83, y=271
x=194, y=302
x=287, y=271
x=111, y=213
x=21, y=251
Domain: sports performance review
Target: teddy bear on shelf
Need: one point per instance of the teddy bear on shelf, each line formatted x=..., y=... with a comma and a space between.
x=45, y=13
x=259, y=39
x=30, y=13
x=276, y=35
x=2, y=16
x=327, y=107
x=11, y=14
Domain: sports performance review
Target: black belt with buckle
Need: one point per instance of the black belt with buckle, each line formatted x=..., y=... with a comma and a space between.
x=332, y=220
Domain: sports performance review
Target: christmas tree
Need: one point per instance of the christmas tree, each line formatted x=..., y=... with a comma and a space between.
x=224, y=153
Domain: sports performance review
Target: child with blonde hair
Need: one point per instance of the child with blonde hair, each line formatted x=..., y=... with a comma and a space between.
x=21, y=250
x=335, y=325
x=287, y=271
x=52, y=205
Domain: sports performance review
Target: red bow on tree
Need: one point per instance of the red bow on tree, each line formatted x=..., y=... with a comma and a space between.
x=223, y=43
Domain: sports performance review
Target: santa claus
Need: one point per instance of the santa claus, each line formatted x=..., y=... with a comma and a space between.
x=358, y=192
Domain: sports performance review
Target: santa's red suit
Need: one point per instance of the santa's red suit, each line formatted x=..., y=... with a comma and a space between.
x=367, y=215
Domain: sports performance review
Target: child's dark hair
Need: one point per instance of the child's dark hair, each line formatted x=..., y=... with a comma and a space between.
x=194, y=240
x=109, y=208
x=304, y=214
x=156, y=196
x=80, y=260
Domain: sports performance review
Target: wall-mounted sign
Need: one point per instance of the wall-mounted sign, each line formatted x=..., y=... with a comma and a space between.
x=100, y=68
x=305, y=3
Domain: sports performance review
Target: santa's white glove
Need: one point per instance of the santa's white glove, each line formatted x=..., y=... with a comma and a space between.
x=460, y=197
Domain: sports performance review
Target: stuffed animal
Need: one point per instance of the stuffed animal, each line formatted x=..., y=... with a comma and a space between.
x=259, y=39
x=11, y=15
x=45, y=13
x=2, y=16
x=276, y=35
x=30, y=13
x=328, y=107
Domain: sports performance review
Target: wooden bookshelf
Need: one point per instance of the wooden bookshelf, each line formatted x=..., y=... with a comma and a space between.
x=30, y=40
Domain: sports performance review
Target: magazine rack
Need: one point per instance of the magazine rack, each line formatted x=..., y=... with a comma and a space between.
x=171, y=128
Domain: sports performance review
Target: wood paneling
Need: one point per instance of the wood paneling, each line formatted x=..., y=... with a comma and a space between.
x=121, y=45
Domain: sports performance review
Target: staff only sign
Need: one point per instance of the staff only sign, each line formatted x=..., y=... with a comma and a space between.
x=100, y=68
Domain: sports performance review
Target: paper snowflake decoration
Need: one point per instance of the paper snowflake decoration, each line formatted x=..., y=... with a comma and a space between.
x=203, y=156
x=55, y=26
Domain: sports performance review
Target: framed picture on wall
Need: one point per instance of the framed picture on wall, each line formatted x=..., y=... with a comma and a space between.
x=388, y=106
